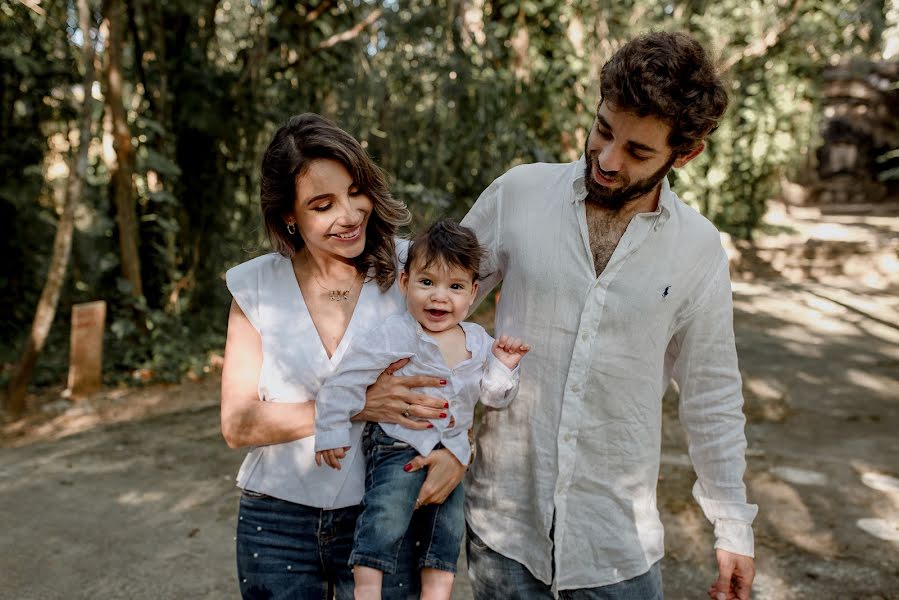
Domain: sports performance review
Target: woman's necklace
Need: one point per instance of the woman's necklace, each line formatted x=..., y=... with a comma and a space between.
x=338, y=295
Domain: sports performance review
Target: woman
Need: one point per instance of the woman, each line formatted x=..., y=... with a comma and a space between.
x=330, y=216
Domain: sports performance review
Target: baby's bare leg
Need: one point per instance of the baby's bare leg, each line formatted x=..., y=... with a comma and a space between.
x=436, y=584
x=368, y=583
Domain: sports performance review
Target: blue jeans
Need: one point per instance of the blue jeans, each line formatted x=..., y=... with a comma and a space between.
x=495, y=577
x=287, y=550
x=389, y=507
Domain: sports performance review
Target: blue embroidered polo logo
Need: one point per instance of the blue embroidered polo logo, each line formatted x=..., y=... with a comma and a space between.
x=665, y=291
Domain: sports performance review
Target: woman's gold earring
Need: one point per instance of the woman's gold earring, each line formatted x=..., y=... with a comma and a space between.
x=291, y=229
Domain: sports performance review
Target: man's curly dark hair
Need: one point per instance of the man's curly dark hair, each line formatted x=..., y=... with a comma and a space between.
x=669, y=76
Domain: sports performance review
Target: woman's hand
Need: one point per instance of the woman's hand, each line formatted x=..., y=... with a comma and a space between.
x=445, y=472
x=390, y=399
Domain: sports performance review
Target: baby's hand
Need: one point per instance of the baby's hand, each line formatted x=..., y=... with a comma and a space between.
x=510, y=350
x=331, y=457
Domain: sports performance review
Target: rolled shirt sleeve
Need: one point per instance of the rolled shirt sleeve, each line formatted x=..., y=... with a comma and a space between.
x=500, y=383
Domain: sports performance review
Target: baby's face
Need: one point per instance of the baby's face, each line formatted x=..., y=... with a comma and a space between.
x=438, y=296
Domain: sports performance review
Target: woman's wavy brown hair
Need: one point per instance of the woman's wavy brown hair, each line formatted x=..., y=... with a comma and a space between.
x=304, y=139
x=669, y=76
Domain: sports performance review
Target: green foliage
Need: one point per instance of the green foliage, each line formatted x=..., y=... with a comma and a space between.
x=890, y=173
x=151, y=345
x=35, y=80
x=446, y=95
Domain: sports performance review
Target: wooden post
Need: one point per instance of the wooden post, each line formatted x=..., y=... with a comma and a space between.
x=86, y=350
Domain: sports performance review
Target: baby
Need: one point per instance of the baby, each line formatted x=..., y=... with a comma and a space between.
x=440, y=282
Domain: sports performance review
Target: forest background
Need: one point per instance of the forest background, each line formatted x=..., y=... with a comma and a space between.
x=131, y=134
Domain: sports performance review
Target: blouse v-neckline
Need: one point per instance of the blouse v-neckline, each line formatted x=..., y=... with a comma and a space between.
x=341, y=346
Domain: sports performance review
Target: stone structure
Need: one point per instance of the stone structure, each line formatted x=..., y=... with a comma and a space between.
x=861, y=124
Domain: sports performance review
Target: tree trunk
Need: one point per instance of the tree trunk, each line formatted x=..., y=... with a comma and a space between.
x=891, y=33
x=62, y=242
x=126, y=209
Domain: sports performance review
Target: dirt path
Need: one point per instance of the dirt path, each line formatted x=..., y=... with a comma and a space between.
x=131, y=495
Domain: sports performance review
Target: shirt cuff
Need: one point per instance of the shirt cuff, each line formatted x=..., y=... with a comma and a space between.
x=734, y=536
x=499, y=375
x=329, y=440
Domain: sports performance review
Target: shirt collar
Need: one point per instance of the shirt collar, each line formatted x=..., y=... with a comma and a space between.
x=579, y=189
x=578, y=168
x=416, y=326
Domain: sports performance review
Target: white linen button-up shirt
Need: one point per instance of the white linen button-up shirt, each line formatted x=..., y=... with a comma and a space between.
x=565, y=479
x=401, y=336
x=294, y=365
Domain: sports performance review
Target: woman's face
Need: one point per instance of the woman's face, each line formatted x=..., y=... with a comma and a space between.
x=329, y=211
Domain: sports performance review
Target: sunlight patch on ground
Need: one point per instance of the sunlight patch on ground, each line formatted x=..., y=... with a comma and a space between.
x=765, y=388
x=769, y=585
x=746, y=288
x=871, y=381
x=793, y=519
x=137, y=498
x=837, y=327
x=881, y=482
x=824, y=306
x=209, y=492
x=880, y=528
x=799, y=476
x=807, y=348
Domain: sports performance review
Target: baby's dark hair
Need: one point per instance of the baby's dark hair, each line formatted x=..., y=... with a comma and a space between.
x=448, y=242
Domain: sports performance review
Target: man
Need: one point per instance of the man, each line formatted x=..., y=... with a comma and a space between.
x=619, y=287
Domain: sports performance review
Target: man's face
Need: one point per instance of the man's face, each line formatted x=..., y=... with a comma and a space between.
x=627, y=157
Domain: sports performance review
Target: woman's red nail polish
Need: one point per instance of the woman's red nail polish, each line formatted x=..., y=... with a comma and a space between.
x=446, y=405
x=407, y=467
x=442, y=415
x=443, y=382
x=430, y=425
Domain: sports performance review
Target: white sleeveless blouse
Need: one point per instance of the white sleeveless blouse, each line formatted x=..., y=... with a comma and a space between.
x=294, y=365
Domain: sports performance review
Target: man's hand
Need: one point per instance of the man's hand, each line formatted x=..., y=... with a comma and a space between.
x=331, y=457
x=735, y=575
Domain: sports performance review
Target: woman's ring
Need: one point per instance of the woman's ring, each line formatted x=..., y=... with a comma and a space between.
x=406, y=412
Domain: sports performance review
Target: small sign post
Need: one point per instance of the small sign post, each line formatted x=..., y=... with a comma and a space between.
x=86, y=350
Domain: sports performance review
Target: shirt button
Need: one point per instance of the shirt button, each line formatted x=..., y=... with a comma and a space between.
x=585, y=336
x=568, y=437
x=575, y=388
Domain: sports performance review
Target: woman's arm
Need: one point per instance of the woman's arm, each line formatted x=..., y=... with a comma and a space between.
x=246, y=420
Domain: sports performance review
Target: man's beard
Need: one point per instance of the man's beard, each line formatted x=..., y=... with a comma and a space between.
x=615, y=200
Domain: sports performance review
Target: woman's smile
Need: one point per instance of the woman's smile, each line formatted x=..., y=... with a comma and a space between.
x=349, y=236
